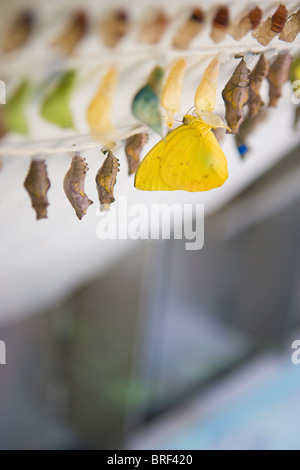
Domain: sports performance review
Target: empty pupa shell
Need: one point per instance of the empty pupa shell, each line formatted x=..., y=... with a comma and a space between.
x=291, y=28
x=106, y=179
x=189, y=29
x=246, y=24
x=278, y=75
x=19, y=33
x=257, y=76
x=56, y=108
x=146, y=103
x=236, y=95
x=133, y=147
x=67, y=41
x=114, y=27
x=247, y=127
x=272, y=26
x=37, y=185
x=220, y=24
x=153, y=28
x=100, y=109
x=172, y=90
x=74, y=186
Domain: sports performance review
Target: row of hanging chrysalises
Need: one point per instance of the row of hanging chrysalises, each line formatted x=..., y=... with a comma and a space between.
x=115, y=25
x=189, y=157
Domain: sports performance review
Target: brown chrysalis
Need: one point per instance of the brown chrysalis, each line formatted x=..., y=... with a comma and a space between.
x=153, y=28
x=246, y=24
x=236, y=95
x=257, y=76
x=106, y=180
x=220, y=24
x=189, y=29
x=19, y=32
x=272, y=26
x=291, y=28
x=278, y=75
x=67, y=41
x=74, y=186
x=114, y=27
x=133, y=147
x=37, y=184
x=247, y=127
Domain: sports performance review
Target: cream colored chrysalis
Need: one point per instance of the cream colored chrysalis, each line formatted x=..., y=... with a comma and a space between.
x=100, y=109
x=172, y=91
x=205, y=97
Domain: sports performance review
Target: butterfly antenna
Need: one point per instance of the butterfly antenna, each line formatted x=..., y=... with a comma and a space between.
x=190, y=109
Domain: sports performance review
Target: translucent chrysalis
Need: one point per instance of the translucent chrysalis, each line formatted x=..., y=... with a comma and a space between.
x=100, y=109
x=190, y=28
x=172, y=90
x=67, y=41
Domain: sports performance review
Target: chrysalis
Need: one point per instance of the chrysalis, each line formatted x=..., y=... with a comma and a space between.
x=220, y=24
x=189, y=29
x=114, y=27
x=74, y=186
x=272, y=26
x=291, y=28
x=37, y=185
x=133, y=147
x=55, y=108
x=99, y=110
x=246, y=24
x=14, y=117
x=145, y=106
x=278, y=75
x=257, y=76
x=153, y=28
x=19, y=32
x=247, y=127
x=106, y=180
x=68, y=40
x=172, y=90
x=236, y=95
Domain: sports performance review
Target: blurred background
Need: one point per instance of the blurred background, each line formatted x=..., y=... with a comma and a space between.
x=140, y=344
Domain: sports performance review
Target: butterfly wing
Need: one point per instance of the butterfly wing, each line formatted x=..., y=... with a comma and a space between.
x=193, y=161
x=147, y=176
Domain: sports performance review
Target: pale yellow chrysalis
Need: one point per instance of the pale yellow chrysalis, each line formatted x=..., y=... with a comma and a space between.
x=172, y=90
x=99, y=110
x=205, y=97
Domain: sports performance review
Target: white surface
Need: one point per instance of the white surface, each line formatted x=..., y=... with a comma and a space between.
x=42, y=262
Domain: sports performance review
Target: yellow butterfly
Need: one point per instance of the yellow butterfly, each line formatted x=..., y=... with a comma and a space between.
x=189, y=158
